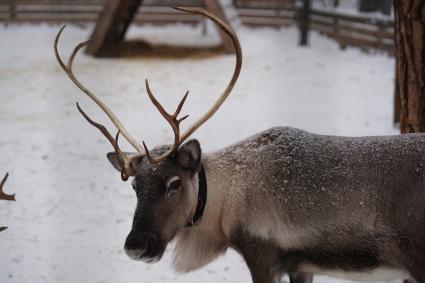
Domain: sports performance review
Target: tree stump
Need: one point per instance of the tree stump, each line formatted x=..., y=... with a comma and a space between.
x=108, y=38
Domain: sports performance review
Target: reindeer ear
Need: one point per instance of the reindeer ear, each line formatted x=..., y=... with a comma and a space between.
x=112, y=157
x=189, y=155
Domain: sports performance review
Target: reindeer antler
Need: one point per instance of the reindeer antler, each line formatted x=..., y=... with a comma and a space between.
x=172, y=119
x=124, y=160
x=5, y=196
x=229, y=31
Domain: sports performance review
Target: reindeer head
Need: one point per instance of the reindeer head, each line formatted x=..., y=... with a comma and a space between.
x=167, y=181
x=167, y=195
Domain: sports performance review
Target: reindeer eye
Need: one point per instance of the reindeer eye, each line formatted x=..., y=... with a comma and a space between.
x=173, y=183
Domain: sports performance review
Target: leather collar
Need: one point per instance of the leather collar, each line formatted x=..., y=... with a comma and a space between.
x=202, y=198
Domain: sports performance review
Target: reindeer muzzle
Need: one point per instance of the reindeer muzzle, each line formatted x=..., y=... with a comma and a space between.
x=144, y=247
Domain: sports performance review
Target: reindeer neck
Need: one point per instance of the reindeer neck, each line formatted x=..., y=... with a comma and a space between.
x=221, y=205
x=202, y=243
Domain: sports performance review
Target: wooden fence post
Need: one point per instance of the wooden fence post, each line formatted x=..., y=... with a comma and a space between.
x=12, y=10
x=304, y=22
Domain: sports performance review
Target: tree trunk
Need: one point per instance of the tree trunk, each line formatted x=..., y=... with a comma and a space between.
x=112, y=25
x=215, y=7
x=410, y=61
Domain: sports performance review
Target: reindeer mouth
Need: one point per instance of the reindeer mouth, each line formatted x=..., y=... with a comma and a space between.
x=144, y=247
x=153, y=254
x=151, y=259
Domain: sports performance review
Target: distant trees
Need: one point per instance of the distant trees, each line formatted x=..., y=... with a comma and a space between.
x=410, y=63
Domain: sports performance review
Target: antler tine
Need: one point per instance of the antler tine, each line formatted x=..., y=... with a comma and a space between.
x=68, y=70
x=74, y=53
x=180, y=106
x=173, y=120
x=3, y=195
x=100, y=127
x=229, y=31
x=120, y=159
x=123, y=160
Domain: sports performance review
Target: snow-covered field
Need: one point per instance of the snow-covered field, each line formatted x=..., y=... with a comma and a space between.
x=73, y=212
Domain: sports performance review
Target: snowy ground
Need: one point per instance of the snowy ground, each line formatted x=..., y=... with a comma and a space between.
x=73, y=212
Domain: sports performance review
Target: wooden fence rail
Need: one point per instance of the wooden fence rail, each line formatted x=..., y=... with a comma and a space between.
x=81, y=11
x=272, y=13
x=363, y=32
x=348, y=30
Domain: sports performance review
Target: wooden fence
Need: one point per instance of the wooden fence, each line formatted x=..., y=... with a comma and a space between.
x=363, y=32
x=349, y=30
x=82, y=11
x=272, y=13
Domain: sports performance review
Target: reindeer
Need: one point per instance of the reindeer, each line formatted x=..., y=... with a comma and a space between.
x=289, y=201
x=5, y=196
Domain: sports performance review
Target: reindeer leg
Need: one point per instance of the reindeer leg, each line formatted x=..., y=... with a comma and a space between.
x=261, y=257
x=418, y=274
x=413, y=260
x=262, y=267
x=415, y=266
x=300, y=277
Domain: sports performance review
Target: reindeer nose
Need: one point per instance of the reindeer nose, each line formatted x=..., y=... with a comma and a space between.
x=144, y=246
x=135, y=245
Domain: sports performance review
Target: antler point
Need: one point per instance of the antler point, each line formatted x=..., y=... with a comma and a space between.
x=182, y=118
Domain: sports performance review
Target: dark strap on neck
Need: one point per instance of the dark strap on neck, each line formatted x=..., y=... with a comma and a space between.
x=202, y=198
